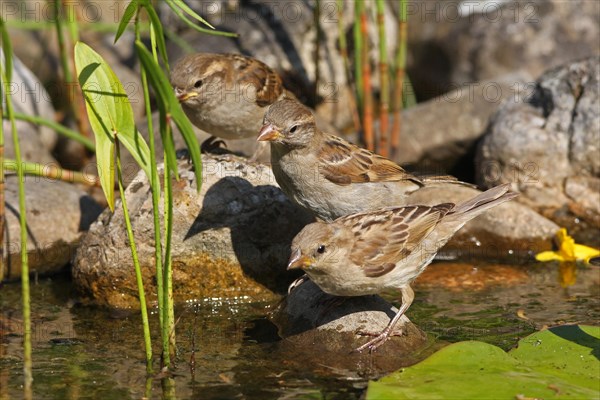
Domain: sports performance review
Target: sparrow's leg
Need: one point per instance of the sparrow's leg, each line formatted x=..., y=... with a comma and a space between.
x=407, y=298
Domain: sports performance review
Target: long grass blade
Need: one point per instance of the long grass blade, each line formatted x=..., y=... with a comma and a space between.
x=130, y=11
x=6, y=76
x=182, y=16
x=154, y=183
x=158, y=30
x=184, y=7
x=59, y=128
x=136, y=263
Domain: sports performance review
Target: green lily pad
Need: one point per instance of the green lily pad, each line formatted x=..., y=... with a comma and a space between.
x=557, y=363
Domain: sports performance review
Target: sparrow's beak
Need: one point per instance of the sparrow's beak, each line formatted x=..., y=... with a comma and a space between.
x=297, y=260
x=183, y=95
x=268, y=132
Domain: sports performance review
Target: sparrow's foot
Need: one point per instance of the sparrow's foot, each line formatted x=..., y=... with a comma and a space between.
x=373, y=344
x=212, y=145
x=397, y=332
x=380, y=338
x=297, y=283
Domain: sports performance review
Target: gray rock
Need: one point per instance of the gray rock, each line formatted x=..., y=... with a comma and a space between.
x=453, y=43
x=231, y=239
x=29, y=97
x=57, y=214
x=549, y=145
x=329, y=328
x=440, y=133
x=242, y=147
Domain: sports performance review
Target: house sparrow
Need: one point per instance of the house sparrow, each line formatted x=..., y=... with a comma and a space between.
x=328, y=175
x=226, y=95
x=367, y=253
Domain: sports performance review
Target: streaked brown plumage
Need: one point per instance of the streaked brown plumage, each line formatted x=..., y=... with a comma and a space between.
x=367, y=253
x=328, y=175
x=226, y=95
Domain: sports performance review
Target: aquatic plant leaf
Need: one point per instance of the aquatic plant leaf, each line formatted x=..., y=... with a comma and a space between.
x=170, y=108
x=557, y=363
x=182, y=11
x=110, y=114
x=129, y=12
x=158, y=31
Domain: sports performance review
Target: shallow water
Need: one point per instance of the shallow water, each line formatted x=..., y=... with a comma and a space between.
x=84, y=352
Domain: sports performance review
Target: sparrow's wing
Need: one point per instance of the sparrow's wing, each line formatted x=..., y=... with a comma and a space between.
x=386, y=237
x=344, y=163
x=256, y=73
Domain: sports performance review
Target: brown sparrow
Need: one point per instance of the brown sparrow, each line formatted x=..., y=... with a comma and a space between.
x=226, y=95
x=367, y=253
x=328, y=175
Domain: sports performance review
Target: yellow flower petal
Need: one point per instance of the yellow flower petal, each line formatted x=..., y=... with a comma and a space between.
x=585, y=253
x=568, y=250
x=545, y=256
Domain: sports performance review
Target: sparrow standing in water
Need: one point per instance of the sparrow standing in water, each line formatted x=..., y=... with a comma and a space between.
x=367, y=253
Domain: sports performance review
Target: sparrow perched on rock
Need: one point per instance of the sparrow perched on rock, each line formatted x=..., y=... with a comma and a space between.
x=328, y=175
x=367, y=253
x=226, y=95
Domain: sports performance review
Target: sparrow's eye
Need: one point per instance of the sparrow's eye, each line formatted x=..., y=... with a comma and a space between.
x=321, y=249
x=293, y=129
x=198, y=84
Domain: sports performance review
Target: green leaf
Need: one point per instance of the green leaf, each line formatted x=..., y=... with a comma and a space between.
x=181, y=4
x=130, y=11
x=558, y=363
x=192, y=25
x=61, y=129
x=169, y=107
x=110, y=114
x=158, y=31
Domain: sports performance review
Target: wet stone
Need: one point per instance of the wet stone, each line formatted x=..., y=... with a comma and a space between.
x=317, y=327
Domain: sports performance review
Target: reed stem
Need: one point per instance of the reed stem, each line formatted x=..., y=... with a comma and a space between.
x=136, y=263
x=384, y=79
x=366, y=80
x=6, y=76
x=399, y=78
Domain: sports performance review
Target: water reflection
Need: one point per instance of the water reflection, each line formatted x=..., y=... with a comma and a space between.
x=228, y=349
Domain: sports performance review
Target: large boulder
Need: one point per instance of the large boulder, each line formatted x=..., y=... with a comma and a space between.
x=454, y=43
x=57, y=214
x=231, y=239
x=548, y=145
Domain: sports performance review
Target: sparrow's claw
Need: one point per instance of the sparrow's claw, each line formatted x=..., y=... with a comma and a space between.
x=297, y=283
x=212, y=145
x=373, y=344
x=380, y=338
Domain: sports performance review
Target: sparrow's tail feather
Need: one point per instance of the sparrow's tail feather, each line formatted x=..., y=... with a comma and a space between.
x=490, y=198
